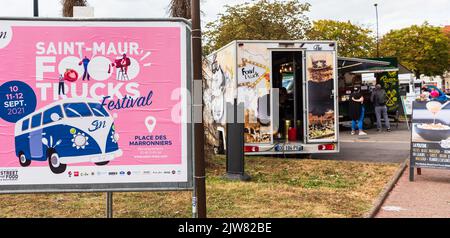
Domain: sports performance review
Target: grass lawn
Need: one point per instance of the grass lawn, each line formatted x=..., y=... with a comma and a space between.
x=279, y=188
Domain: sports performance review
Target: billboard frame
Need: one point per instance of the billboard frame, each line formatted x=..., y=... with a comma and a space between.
x=412, y=157
x=133, y=186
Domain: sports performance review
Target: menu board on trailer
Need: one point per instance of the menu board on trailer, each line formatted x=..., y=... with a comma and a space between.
x=320, y=74
x=253, y=89
x=430, y=140
x=94, y=104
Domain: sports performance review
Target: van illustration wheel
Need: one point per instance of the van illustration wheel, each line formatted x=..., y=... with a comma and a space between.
x=54, y=162
x=24, y=162
x=369, y=122
x=102, y=163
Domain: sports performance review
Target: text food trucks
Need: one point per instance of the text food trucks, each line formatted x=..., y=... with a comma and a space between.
x=287, y=89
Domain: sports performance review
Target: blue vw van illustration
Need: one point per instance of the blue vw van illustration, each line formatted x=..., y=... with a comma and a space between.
x=66, y=132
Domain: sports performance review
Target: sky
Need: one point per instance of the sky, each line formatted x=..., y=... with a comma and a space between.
x=393, y=14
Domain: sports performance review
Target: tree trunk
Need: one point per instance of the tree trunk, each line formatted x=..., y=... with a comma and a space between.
x=417, y=74
x=180, y=8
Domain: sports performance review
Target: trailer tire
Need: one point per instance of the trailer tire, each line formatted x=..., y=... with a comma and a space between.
x=24, y=162
x=307, y=156
x=369, y=122
x=221, y=148
x=54, y=163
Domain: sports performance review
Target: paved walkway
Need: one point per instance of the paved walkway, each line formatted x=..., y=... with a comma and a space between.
x=375, y=147
x=428, y=196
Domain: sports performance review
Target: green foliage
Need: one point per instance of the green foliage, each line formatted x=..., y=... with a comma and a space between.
x=424, y=49
x=258, y=20
x=353, y=40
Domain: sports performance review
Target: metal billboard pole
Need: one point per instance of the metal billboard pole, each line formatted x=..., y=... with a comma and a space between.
x=109, y=205
x=35, y=8
x=199, y=199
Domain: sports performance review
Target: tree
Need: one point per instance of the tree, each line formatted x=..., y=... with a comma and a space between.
x=446, y=31
x=180, y=8
x=258, y=20
x=69, y=4
x=424, y=49
x=353, y=40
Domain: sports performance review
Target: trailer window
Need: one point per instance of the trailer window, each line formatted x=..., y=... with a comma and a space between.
x=36, y=120
x=48, y=114
x=98, y=110
x=25, y=124
x=288, y=82
x=77, y=110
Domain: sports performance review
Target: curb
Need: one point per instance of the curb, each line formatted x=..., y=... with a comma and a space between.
x=386, y=190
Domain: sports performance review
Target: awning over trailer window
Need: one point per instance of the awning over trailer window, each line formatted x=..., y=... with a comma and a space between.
x=359, y=65
x=375, y=70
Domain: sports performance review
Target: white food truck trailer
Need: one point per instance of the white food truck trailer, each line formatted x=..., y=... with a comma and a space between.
x=288, y=90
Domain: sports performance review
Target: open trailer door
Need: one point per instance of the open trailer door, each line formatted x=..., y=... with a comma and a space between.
x=321, y=97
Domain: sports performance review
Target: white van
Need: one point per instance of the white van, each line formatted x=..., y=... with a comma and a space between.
x=289, y=92
x=66, y=132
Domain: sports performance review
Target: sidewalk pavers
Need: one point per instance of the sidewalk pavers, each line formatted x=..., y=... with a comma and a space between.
x=427, y=197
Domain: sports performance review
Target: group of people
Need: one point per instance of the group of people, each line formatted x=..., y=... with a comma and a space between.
x=121, y=63
x=357, y=109
x=67, y=76
x=433, y=93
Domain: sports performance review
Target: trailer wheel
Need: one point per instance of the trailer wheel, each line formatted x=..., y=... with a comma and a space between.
x=54, y=162
x=221, y=148
x=24, y=162
x=307, y=156
x=369, y=122
x=102, y=163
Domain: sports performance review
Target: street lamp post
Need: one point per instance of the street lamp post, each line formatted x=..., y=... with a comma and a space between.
x=378, y=37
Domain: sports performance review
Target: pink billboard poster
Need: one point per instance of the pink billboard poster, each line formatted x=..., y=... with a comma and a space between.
x=92, y=98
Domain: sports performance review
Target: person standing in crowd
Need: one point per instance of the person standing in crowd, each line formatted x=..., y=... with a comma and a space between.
x=356, y=111
x=435, y=93
x=378, y=98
